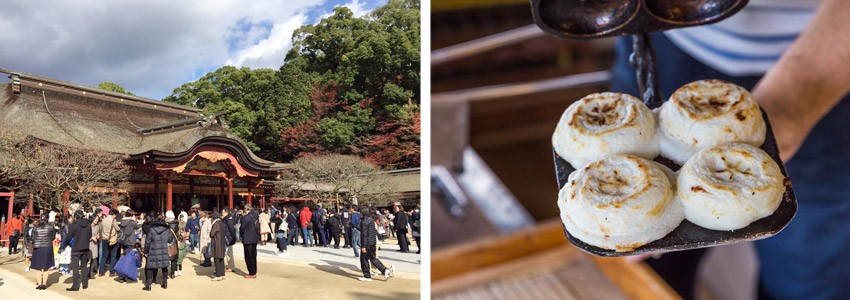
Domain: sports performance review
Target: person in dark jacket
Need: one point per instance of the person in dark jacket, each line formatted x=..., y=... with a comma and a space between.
x=250, y=233
x=355, y=230
x=415, y=226
x=292, y=223
x=218, y=245
x=127, y=227
x=193, y=226
x=400, y=225
x=320, y=233
x=156, y=252
x=346, y=226
x=79, y=234
x=174, y=226
x=279, y=227
x=369, y=239
x=334, y=227
x=229, y=220
x=42, y=257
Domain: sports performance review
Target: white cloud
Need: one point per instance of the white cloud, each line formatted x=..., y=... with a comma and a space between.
x=357, y=8
x=269, y=52
x=149, y=47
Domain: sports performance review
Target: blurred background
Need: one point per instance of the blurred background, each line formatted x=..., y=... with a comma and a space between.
x=499, y=86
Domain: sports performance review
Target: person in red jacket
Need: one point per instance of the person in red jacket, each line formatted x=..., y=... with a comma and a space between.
x=14, y=229
x=305, y=217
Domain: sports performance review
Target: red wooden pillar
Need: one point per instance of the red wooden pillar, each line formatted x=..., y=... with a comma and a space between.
x=11, y=196
x=230, y=193
x=66, y=197
x=263, y=202
x=29, y=206
x=114, y=199
x=168, y=196
x=249, y=198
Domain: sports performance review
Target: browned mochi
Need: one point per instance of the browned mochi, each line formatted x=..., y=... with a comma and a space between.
x=706, y=113
x=620, y=202
x=605, y=123
x=729, y=186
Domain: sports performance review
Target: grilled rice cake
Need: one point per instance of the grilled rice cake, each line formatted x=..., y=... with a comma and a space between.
x=602, y=124
x=620, y=202
x=707, y=113
x=729, y=186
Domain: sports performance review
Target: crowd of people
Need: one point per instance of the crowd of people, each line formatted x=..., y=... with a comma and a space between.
x=106, y=242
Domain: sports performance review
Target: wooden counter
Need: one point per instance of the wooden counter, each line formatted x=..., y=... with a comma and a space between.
x=538, y=263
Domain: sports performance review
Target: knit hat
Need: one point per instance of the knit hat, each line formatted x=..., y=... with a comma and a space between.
x=169, y=214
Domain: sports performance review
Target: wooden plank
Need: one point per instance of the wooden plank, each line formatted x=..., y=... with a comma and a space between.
x=636, y=280
x=476, y=262
x=554, y=258
x=489, y=251
x=444, y=5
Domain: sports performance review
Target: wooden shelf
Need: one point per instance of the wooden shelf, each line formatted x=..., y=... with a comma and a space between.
x=539, y=263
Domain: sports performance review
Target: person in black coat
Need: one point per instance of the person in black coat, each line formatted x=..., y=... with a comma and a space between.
x=346, y=225
x=42, y=257
x=369, y=241
x=79, y=234
x=174, y=226
x=250, y=233
x=292, y=223
x=229, y=221
x=400, y=225
x=156, y=252
x=279, y=227
x=218, y=244
x=335, y=227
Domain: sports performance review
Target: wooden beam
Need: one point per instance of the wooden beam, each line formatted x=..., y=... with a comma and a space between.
x=168, y=195
x=66, y=197
x=230, y=193
x=448, y=5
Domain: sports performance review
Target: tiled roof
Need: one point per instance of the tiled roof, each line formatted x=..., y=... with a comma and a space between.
x=78, y=116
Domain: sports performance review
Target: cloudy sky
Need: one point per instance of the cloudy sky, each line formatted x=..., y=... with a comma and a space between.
x=151, y=47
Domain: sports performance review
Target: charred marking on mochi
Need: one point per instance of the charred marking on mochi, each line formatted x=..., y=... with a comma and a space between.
x=740, y=115
x=726, y=129
x=696, y=141
x=787, y=182
x=698, y=189
x=572, y=183
x=657, y=209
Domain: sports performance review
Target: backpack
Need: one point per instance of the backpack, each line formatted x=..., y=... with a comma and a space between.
x=122, y=236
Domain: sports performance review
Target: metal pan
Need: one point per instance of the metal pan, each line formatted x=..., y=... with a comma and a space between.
x=690, y=236
x=590, y=19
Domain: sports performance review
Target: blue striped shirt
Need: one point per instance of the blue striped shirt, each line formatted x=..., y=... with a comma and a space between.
x=752, y=40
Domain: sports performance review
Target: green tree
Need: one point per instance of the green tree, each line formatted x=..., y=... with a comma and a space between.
x=349, y=85
x=113, y=87
x=256, y=102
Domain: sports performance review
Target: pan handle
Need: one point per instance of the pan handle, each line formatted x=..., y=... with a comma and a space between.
x=643, y=60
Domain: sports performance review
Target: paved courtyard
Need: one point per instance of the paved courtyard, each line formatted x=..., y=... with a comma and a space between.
x=307, y=273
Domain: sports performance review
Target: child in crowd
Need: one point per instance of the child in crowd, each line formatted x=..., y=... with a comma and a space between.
x=64, y=257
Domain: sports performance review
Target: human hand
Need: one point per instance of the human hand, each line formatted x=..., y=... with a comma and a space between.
x=362, y=250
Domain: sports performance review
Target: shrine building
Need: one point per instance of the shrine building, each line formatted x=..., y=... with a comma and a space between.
x=178, y=156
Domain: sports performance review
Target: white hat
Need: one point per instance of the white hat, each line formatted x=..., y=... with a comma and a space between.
x=169, y=214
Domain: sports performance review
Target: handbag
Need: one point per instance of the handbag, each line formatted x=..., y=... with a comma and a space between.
x=111, y=231
x=172, y=247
